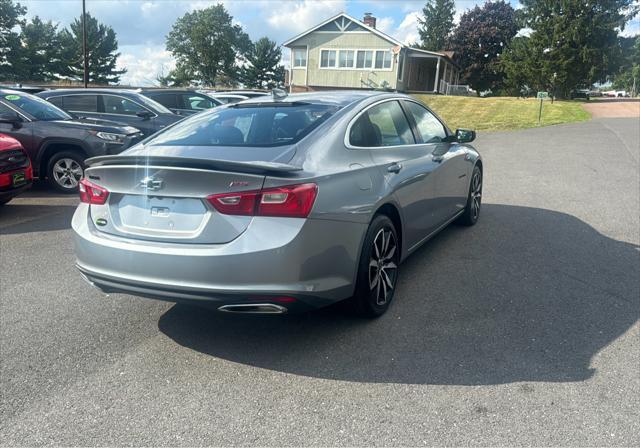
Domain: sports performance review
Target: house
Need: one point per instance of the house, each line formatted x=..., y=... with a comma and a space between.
x=345, y=53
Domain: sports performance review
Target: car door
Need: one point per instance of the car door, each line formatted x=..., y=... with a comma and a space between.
x=23, y=132
x=406, y=166
x=125, y=110
x=451, y=173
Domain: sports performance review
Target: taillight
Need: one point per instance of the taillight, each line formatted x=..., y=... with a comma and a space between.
x=292, y=201
x=92, y=193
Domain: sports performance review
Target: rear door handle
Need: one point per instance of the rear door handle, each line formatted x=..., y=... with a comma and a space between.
x=394, y=168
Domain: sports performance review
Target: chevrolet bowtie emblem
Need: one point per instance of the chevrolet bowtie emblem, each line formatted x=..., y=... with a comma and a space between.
x=151, y=184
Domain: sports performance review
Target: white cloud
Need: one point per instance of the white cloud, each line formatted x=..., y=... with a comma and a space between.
x=407, y=31
x=144, y=64
x=385, y=24
x=296, y=17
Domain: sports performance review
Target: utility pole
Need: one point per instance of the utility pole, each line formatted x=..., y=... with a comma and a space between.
x=84, y=45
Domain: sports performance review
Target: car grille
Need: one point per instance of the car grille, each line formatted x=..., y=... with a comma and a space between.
x=12, y=160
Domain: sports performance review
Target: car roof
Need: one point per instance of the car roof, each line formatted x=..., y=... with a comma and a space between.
x=333, y=97
x=98, y=90
x=168, y=90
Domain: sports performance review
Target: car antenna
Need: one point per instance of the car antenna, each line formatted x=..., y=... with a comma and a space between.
x=279, y=94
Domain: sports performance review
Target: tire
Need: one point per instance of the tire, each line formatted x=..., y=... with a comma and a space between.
x=375, y=285
x=474, y=200
x=64, y=170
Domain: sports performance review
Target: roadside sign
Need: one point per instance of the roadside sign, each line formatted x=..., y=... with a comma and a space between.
x=543, y=95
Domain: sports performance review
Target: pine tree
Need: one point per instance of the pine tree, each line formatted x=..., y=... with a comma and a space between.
x=11, y=16
x=436, y=23
x=263, y=68
x=102, y=47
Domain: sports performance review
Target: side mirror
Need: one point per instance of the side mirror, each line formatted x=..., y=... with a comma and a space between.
x=465, y=135
x=13, y=119
x=144, y=114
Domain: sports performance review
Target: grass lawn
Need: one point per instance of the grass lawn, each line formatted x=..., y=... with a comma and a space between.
x=502, y=113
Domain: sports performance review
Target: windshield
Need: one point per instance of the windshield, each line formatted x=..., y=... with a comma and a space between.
x=37, y=107
x=248, y=124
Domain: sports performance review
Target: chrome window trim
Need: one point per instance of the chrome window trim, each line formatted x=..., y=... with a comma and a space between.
x=18, y=111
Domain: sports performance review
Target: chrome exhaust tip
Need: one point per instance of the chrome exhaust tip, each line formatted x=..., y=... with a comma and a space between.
x=254, y=308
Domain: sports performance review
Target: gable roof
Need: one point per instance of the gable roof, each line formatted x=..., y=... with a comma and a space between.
x=354, y=20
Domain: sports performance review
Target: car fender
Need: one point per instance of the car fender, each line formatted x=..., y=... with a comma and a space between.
x=49, y=141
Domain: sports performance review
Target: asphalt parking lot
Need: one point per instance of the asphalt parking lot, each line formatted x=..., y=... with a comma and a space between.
x=522, y=330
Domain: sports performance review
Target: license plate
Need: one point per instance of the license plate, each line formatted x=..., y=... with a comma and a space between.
x=19, y=178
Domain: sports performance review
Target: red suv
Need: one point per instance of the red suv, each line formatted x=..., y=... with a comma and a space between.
x=16, y=174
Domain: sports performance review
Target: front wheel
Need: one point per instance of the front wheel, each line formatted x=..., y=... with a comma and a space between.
x=65, y=170
x=377, y=269
x=474, y=201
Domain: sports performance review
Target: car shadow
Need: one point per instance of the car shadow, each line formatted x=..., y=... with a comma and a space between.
x=28, y=218
x=526, y=295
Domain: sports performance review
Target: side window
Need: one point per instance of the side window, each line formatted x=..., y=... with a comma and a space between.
x=381, y=125
x=430, y=128
x=168, y=100
x=196, y=102
x=6, y=110
x=80, y=103
x=57, y=101
x=120, y=106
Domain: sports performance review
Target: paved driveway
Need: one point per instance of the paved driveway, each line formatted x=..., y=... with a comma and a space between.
x=521, y=330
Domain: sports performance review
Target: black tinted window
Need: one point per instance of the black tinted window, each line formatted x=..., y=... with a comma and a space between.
x=429, y=127
x=56, y=101
x=120, y=106
x=257, y=125
x=80, y=103
x=381, y=125
x=166, y=99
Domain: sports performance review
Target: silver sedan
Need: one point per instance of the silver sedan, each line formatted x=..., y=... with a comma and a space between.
x=277, y=203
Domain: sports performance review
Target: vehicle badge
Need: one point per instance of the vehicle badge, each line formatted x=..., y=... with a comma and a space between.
x=150, y=183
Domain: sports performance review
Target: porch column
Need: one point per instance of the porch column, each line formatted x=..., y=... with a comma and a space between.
x=444, y=74
x=435, y=84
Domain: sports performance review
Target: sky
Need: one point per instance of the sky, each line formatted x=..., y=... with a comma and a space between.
x=142, y=25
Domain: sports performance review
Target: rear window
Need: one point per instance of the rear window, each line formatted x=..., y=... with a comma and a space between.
x=247, y=125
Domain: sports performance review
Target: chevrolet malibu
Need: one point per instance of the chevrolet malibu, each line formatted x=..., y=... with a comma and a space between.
x=277, y=203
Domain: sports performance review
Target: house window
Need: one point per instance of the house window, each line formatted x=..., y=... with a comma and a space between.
x=328, y=58
x=299, y=57
x=383, y=59
x=364, y=59
x=345, y=59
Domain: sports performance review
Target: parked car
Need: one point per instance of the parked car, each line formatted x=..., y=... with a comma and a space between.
x=579, y=93
x=16, y=173
x=121, y=105
x=23, y=88
x=57, y=143
x=277, y=204
x=180, y=101
x=227, y=98
x=595, y=93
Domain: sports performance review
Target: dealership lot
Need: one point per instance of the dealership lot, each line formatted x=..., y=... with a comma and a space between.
x=521, y=330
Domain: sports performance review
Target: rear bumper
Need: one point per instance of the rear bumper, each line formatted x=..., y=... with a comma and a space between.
x=313, y=261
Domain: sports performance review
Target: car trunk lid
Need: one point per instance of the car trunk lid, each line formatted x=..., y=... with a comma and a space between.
x=160, y=198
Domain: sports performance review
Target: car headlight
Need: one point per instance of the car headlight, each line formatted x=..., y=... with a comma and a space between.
x=111, y=137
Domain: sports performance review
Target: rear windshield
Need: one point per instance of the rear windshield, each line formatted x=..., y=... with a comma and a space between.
x=271, y=124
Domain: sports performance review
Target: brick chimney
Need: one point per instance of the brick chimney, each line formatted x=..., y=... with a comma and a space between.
x=369, y=20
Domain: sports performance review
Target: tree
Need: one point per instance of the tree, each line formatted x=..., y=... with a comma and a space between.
x=11, y=16
x=39, y=58
x=628, y=78
x=102, y=47
x=263, y=65
x=436, y=23
x=207, y=45
x=573, y=43
x=479, y=41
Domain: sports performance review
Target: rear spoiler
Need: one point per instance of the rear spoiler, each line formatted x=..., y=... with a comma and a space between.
x=254, y=167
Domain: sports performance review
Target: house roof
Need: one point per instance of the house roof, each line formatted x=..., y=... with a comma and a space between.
x=356, y=21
